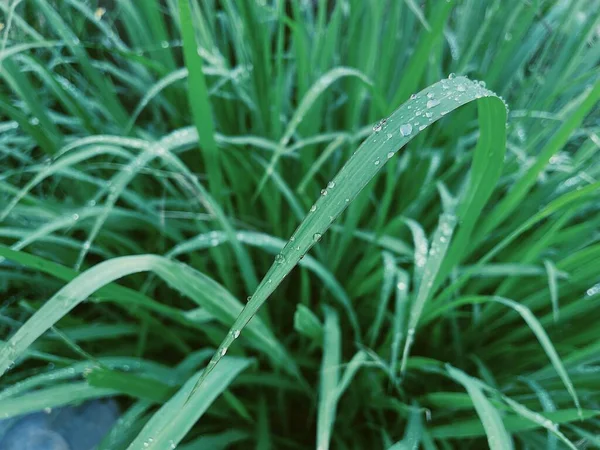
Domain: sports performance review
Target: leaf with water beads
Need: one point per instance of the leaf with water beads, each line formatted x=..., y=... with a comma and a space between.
x=370, y=158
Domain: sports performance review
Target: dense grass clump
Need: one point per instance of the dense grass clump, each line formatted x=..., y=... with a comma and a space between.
x=168, y=164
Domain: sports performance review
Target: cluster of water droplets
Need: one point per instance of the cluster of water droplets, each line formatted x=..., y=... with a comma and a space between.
x=379, y=125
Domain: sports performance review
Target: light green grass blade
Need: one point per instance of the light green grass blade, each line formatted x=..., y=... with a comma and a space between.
x=497, y=436
x=546, y=343
x=437, y=252
x=330, y=376
x=169, y=425
x=51, y=397
x=308, y=324
x=413, y=432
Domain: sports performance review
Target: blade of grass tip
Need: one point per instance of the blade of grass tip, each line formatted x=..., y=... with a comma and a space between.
x=199, y=100
x=497, y=436
x=358, y=360
x=546, y=343
x=308, y=324
x=389, y=136
x=439, y=246
x=168, y=80
x=421, y=245
x=553, y=287
x=169, y=425
x=330, y=375
x=418, y=13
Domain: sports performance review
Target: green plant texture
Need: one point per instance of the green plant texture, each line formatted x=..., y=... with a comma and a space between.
x=304, y=224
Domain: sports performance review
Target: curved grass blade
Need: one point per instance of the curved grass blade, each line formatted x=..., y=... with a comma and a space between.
x=497, y=436
x=390, y=135
x=546, y=343
x=203, y=290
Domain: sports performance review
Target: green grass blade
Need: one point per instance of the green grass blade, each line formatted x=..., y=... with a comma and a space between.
x=330, y=376
x=497, y=436
x=169, y=425
x=199, y=99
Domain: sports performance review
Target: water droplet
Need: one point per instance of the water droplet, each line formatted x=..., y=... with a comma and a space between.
x=323, y=192
x=75, y=217
x=428, y=114
x=92, y=203
x=99, y=13
x=413, y=96
x=406, y=129
x=317, y=237
x=280, y=259
x=452, y=76
x=223, y=351
x=430, y=95
x=461, y=88
x=331, y=185
x=164, y=44
x=595, y=289
x=248, y=298
x=481, y=83
x=432, y=103
x=313, y=208
x=508, y=37
x=34, y=121
x=401, y=285
x=377, y=127
x=390, y=154
x=47, y=410
x=236, y=334
x=377, y=162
